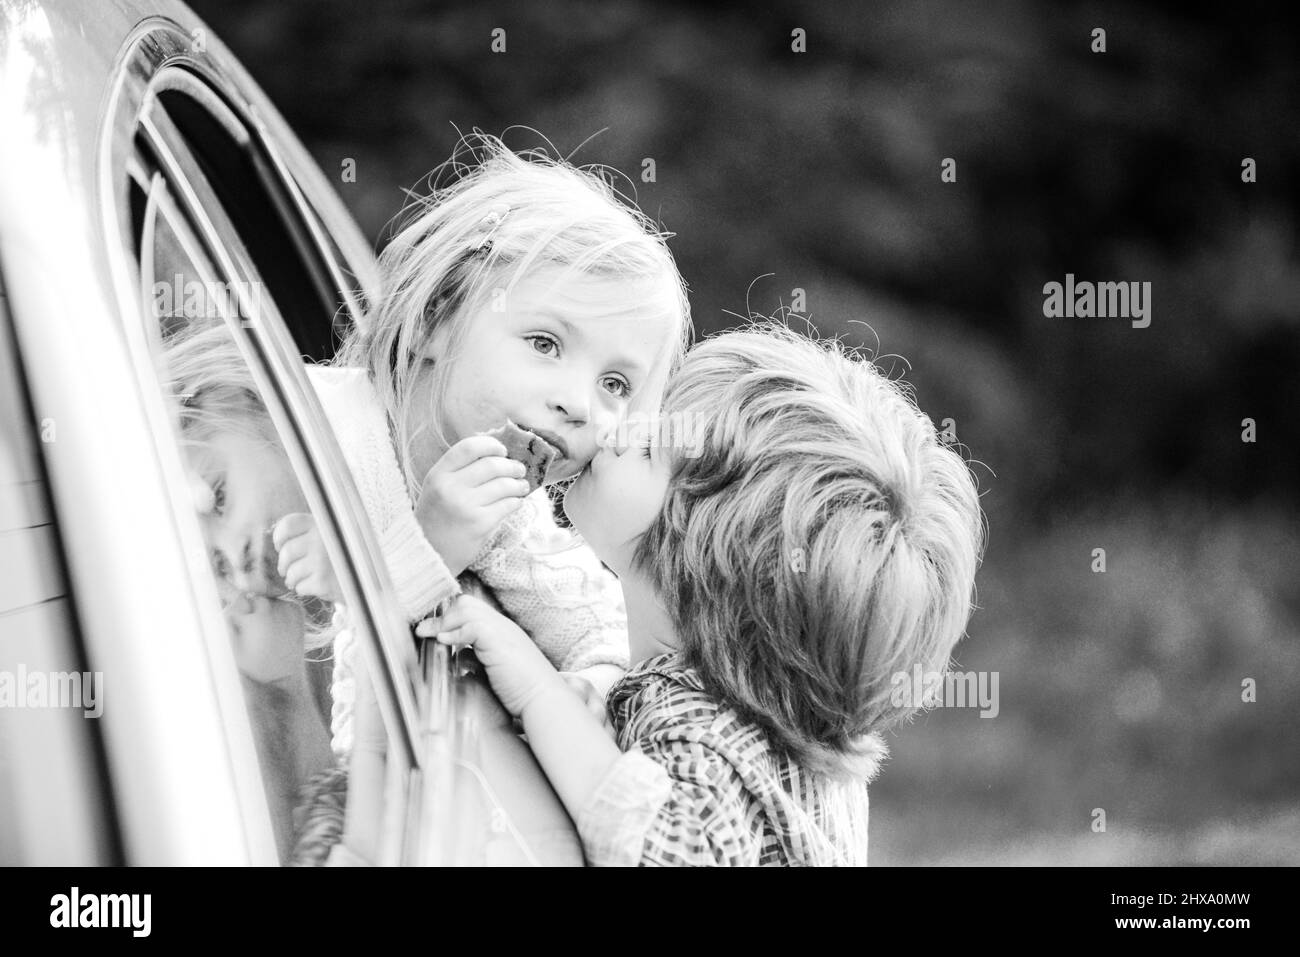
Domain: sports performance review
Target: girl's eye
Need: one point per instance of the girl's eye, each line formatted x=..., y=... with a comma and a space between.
x=645, y=450
x=218, y=496
x=617, y=386
x=545, y=345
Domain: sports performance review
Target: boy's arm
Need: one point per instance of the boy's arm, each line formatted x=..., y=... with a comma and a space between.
x=671, y=800
x=677, y=800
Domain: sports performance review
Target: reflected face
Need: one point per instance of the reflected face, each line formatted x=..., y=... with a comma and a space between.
x=565, y=357
x=246, y=485
x=614, y=500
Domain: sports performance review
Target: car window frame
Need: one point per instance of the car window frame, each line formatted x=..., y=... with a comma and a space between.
x=403, y=693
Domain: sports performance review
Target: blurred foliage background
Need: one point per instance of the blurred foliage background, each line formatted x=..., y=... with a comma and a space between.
x=820, y=171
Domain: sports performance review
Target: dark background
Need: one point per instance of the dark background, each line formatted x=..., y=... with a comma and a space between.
x=821, y=171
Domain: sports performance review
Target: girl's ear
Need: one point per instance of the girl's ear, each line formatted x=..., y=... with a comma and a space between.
x=436, y=343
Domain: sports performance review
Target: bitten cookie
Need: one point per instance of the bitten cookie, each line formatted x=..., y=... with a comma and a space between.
x=535, y=452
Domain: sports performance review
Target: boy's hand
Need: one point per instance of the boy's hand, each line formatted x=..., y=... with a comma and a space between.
x=516, y=668
x=303, y=563
x=464, y=497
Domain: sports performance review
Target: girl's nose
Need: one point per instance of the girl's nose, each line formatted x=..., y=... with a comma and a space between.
x=574, y=404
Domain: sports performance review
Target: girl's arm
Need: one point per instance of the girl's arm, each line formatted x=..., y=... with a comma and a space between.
x=421, y=580
x=555, y=587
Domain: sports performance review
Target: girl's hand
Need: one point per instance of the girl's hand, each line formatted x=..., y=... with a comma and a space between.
x=464, y=497
x=303, y=563
x=516, y=668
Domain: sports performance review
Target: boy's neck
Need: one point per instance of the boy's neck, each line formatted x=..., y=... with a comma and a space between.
x=649, y=628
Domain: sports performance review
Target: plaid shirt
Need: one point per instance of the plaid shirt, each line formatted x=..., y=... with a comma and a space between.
x=698, y=785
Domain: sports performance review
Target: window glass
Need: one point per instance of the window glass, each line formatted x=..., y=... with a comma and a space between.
x=277, y=241
x=265, y=545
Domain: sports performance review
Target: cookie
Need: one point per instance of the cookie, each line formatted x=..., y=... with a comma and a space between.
x=534, y=451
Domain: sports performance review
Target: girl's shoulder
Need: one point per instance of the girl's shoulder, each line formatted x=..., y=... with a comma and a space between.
x=329, y=380
x=347, y=396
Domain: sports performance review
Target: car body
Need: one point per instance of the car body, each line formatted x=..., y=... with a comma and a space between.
x=132, y=135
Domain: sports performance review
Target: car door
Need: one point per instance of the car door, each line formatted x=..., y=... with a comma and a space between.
x=229, y=260
x=207, y=157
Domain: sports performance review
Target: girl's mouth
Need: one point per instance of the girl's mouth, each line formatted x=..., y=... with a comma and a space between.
x=550, y=438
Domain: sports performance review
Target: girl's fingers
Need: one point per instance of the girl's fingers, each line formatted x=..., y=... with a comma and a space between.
x=305, y=578
x=292, y=552
x=291, y=526
x=466, y=634
x=459, y=611
x=501, y=488
x=490, y=467
x=469, y=450
x=452, y=637
x=501, y=509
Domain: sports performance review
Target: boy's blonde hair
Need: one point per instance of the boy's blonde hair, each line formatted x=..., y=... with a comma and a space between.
x=822, y=541
x=503, y=216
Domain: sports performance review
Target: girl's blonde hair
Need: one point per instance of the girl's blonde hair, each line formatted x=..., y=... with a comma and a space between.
x=821, y=541
x=212, y=387
x=502, y=217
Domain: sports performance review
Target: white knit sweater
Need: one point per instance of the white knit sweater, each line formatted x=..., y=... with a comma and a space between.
x=545, y=578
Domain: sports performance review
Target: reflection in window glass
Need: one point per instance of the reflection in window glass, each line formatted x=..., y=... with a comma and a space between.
x=266, y=555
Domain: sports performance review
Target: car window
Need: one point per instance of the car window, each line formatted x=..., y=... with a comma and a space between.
x=217, y=276
x=293, y=255
x=232, y=252
x=254, y=498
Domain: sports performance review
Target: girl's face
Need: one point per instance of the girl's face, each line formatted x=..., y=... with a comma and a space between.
x=562, y=355
x=619, y=494
x=247, y=486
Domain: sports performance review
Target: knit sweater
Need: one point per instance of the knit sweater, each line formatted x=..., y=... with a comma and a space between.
x=544, y=577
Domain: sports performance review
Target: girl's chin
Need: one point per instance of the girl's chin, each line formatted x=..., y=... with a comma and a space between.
x=561, y=470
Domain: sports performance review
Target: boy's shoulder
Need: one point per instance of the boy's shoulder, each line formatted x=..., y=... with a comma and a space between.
x=665, y=674
x=666, y=696
x=662, y=693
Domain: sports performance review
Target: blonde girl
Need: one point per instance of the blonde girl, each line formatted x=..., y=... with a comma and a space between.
x=526, y=290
